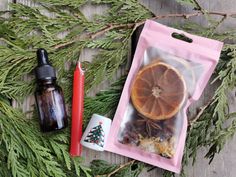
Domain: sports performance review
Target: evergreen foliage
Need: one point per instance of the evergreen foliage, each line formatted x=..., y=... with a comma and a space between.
x=23, y=149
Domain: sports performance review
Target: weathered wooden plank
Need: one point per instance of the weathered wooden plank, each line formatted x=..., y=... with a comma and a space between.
x=28, y=103
x=86, y=55
x=4, y=4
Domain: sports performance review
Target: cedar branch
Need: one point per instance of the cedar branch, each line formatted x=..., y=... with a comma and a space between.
x=117, y=169
x=112, y=26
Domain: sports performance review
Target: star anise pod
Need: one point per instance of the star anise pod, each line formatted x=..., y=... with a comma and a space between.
x=150, y=125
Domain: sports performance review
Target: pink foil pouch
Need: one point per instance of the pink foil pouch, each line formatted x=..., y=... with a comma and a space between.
x=166, y=76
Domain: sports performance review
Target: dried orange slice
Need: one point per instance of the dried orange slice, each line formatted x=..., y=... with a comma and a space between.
x=185, y=69
x=158, y=91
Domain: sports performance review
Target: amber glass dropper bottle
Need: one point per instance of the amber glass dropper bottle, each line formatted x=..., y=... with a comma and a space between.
x=49, y=96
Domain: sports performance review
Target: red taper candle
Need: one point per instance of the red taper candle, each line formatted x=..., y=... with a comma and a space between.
x=77, y=111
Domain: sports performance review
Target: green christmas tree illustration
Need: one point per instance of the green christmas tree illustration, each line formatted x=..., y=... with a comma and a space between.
x=96, y=135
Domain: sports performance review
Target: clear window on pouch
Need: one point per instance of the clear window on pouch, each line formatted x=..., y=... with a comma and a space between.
x=154, y=116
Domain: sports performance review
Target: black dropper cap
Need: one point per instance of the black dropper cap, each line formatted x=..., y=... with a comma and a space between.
x=44, y=70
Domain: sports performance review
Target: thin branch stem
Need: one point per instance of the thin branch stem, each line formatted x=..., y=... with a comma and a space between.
x=112, y=26
x=218, y=24
x=120, y=167
x=117, y=169
x=199, y=6
x=11, y=44
x=200, y=113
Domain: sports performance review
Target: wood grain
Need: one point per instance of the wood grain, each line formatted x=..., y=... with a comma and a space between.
x=224, y=163
x=4, y=4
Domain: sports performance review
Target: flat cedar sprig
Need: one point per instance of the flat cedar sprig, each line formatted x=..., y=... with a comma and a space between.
x=23, y=149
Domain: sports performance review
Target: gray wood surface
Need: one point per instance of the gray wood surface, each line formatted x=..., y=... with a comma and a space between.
x=224, y=163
